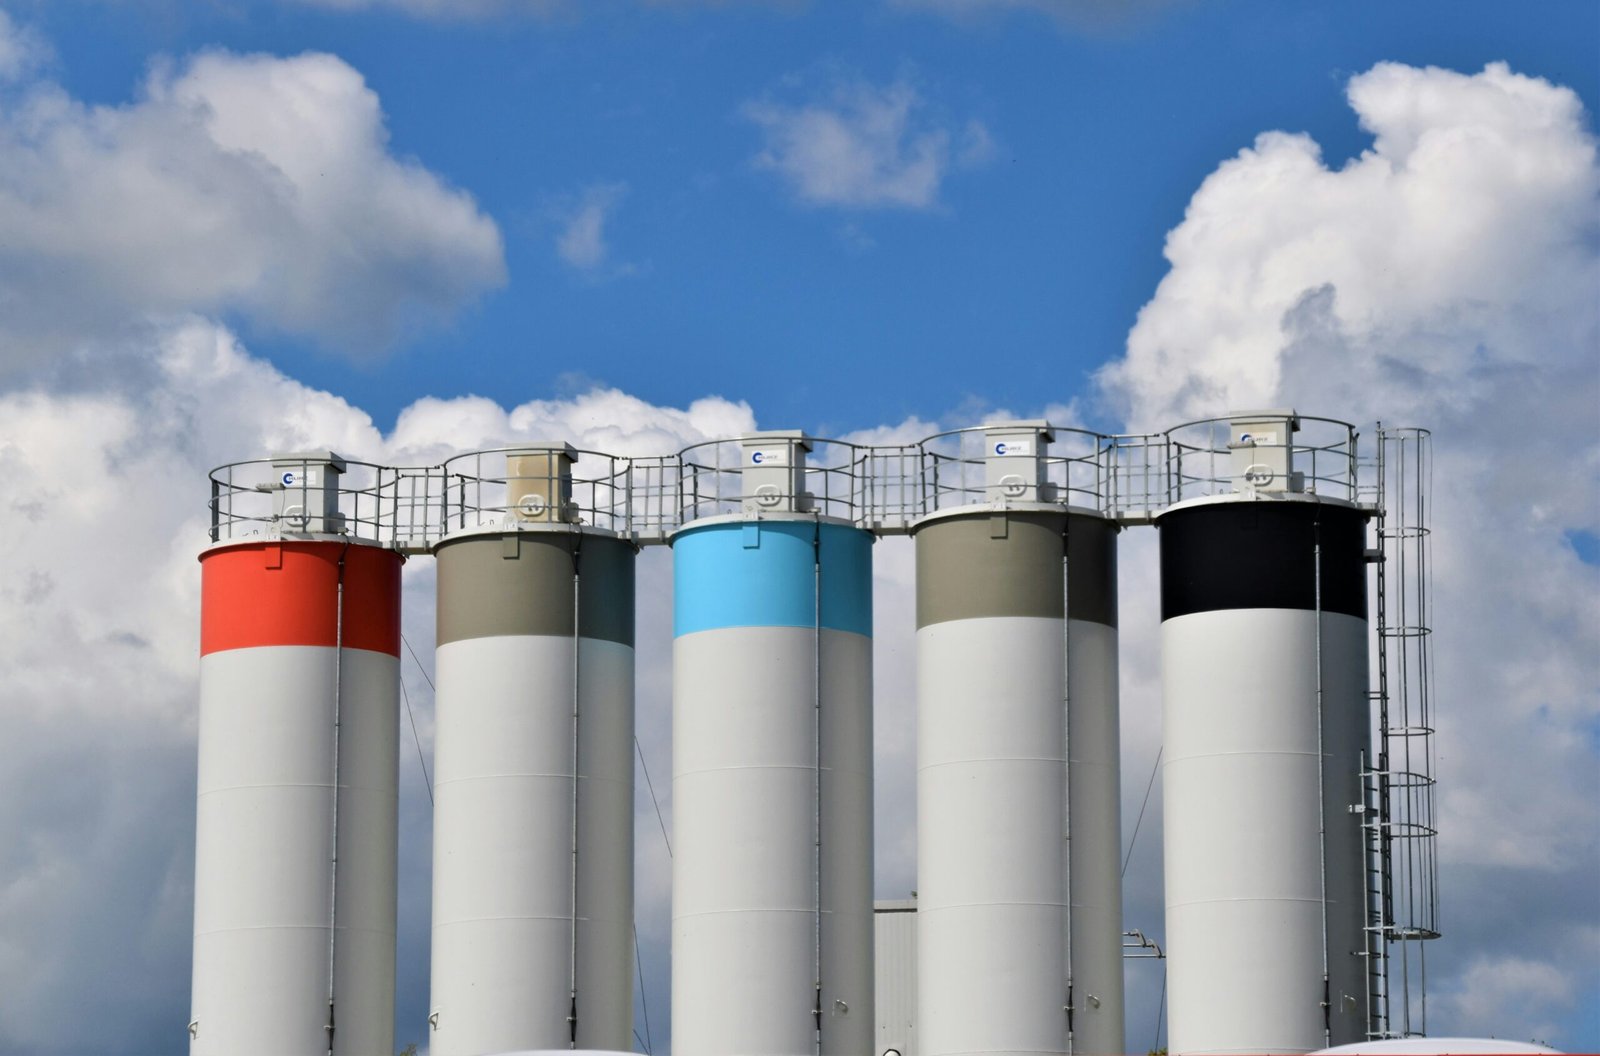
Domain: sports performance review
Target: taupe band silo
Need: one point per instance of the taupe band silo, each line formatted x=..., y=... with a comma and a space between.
x=1016, y=624
x=533, y=790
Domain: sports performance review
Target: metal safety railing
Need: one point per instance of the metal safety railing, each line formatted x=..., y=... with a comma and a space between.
x=1200, y=459
x=711, y=481
x=954, y=468
x=312, y=493
x=881, y=488
x=513, y=486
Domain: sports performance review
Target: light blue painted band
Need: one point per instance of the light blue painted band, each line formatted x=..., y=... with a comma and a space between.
x=763, y=574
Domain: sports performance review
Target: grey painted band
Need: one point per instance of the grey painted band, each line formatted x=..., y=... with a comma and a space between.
x=1092, y=569
x=521, y=583
x=1008, y=563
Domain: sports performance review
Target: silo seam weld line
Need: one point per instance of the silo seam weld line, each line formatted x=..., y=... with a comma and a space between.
x=292, y=927
x=1222, y=755
x=803, y=910
x=294, y=784
x=1251, y=898
x=808, y=768
x=562, y=917
x=990, y=903
x=995, y=759
x=520, y=776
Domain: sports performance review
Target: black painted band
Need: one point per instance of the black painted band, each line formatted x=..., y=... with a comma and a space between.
x=1262, y=555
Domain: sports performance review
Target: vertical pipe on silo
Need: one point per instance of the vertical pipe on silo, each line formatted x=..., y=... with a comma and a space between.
x=772, y=786
x=1264, y=685
x=1094, y=800
x=299, y=698
x=533, y=790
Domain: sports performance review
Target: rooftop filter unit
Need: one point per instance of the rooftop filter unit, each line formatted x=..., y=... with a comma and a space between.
x=772, y=761
x=533, y=766
x=295, y=838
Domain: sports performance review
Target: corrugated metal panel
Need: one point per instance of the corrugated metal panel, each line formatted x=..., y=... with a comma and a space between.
x=895, y=929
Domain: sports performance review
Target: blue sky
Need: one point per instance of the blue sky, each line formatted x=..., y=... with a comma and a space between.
x=832, y=316
x=229, y=227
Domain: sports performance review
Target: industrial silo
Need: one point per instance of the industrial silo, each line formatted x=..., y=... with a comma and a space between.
x=533, y=762
x=295, y=837
x=772, y=756
x=1265, y=711
x=1017, y=656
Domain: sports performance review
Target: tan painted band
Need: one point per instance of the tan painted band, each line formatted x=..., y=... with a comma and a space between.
x=521, y=583
x=1009, y=563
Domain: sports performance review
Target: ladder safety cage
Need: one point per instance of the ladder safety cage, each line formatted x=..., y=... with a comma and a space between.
x=1399, y=809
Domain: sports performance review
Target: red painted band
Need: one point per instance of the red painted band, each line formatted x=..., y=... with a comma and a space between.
x=287, y=593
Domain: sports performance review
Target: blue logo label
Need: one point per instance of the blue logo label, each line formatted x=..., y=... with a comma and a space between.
x=288, y=479
x=1000, y=448
x=1245, y=438
x=758, y=457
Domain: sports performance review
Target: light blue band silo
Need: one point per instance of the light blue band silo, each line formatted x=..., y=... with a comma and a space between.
x=763, y=574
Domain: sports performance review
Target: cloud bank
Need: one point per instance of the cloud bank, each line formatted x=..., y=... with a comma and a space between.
x=99, y=596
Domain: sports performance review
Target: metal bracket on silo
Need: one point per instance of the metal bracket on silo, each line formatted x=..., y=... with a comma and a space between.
x=539, y=484
x=305, y=495
x=772, y=468
x=1015, y=460
x=1262, y=443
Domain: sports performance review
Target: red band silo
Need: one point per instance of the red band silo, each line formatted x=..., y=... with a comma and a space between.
x=295, y=842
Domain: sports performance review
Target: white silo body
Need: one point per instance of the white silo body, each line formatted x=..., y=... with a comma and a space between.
x=533, y=788
x=1010, y=598
x=1265, y=711
x=772, y=776
x=298, y=744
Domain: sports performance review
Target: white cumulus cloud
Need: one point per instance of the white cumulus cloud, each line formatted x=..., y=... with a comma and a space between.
x=1474, y=1002
x=22, y=51
x=581, y=242
x=243, y=184
x=862, y=146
